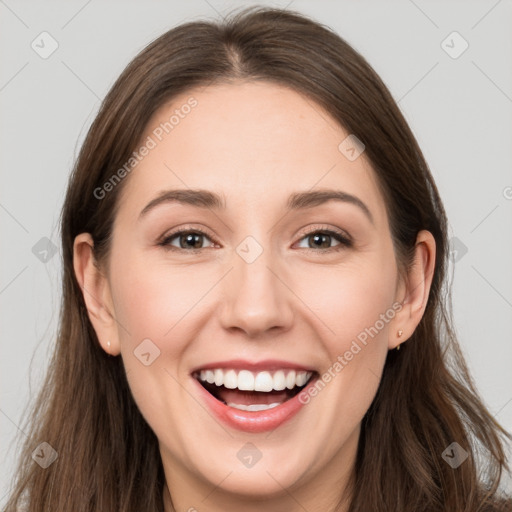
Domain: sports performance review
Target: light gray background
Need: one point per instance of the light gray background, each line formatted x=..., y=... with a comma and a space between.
x=459, y=109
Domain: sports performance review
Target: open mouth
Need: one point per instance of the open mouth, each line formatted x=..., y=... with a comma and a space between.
x=253, y=391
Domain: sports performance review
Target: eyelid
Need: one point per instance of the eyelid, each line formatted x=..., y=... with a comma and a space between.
x=327, y=229
x=180, y=229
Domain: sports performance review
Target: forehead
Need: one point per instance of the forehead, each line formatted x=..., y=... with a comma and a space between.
x=254, y=143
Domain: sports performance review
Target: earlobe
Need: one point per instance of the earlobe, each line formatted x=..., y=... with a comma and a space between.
x=96, y=293
x=416, y=289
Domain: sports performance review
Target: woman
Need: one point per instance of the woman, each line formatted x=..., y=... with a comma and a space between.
x=254, y=311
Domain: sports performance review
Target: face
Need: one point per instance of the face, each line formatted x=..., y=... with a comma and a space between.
x=267, y=290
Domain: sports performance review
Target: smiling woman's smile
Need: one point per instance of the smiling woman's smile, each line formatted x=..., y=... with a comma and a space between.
x=253, y=402
x=254, y=388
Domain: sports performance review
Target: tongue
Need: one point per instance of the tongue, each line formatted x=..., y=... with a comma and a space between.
x=252, y=397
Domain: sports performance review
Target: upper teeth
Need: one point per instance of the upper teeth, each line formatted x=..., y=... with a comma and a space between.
x=245, y=380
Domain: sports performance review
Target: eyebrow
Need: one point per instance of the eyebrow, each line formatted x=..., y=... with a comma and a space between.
x=300, y=200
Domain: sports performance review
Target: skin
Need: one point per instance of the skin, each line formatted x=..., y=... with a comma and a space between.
x=255, y=144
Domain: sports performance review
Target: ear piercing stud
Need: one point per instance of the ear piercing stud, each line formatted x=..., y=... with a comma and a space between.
x=108, y=344
x=399, y=334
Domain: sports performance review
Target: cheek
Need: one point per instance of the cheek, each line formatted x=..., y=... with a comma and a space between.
x=354, y=306
x=353, y=301
x=150, y=299
x=151, y=304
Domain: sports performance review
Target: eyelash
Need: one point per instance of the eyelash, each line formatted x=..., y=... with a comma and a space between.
x=344, y=240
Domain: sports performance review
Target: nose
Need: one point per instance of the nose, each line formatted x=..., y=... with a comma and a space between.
x=258, y=301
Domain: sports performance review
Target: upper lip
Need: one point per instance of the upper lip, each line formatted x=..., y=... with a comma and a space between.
x=264, y=365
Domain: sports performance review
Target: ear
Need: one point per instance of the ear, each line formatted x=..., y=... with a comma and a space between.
x=96, y=291
x=413, y=291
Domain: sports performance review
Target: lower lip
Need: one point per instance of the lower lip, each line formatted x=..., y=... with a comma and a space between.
x=253, y=421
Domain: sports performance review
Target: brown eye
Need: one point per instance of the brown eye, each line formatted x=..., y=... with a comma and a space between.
x=194, y=240
x=323, y=239
x=186, y=240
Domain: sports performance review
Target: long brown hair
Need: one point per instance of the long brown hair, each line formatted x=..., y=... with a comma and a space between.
x=108, y=457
